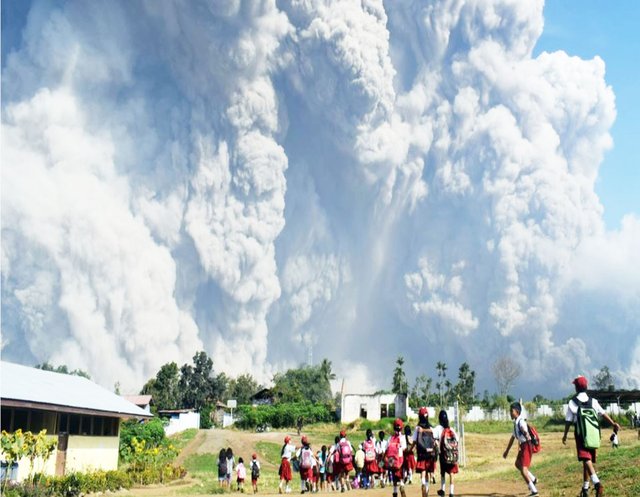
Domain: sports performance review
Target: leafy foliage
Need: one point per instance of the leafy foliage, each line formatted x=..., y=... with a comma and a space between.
x=21, y=444
x=150, y=432
x=282, y=415
x=45, y=366
x=241, y=389
x=604, y=379
x=305, y=384
x=400, y=383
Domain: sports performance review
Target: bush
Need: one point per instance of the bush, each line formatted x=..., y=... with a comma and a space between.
x=152, y=432
x=282, y=415
x=71, y=485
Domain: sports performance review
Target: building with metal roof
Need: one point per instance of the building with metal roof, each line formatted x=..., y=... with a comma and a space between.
x=82, y=416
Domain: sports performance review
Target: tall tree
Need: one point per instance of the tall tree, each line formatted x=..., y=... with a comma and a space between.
x=325, y=370
x=420, y=392
x=197, y=383
x=604, y=379
x=465, y=388
x=400, y=383
x=505, y=371
x=241, y=389
x=307, y=383
x=441, y=367
x=164, y=388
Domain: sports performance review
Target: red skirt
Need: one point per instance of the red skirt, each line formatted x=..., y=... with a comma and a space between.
x=428, y=466
x=409, y=462
x=285, y=470
x=306, y=473
x=340, y=467
x=524, y=456
x=445, y=467
x=371, y=467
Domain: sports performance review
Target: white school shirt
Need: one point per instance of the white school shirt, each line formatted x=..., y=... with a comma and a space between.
x=381, y=446
x=439, y=430
x=520, y=429
x=255, y=463
x=571, y=415
x=288, y=451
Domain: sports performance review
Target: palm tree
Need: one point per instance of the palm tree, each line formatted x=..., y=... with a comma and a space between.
x=442, y=373
x=325, y=370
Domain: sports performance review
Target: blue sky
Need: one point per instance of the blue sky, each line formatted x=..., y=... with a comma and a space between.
x=587, y=28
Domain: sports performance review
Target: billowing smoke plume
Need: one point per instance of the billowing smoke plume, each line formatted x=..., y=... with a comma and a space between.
x=261, y=178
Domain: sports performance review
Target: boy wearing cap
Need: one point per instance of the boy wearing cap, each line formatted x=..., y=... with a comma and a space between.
x=586, y=455
x=255, y=472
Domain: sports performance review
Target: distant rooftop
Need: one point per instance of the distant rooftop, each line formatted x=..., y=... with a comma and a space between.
x=139, y=400
x=22, y=386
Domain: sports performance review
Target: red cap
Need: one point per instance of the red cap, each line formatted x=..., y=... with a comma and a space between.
x=398, y=424
x=254, y=456
x=305, y=440
x=287, y=439
x=343, y=434
x=423, y=412
x=581, y=383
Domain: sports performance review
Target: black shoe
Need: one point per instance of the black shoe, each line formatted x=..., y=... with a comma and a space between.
x=584, y=492
x=599, y=489
x=441, y=493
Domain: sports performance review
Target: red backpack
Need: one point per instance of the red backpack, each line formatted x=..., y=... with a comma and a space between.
x=393, y=455
x=369, y=451
x=345, y=452
x=535, y=439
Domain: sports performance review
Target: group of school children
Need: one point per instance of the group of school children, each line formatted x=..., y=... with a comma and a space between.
x=583, y=413
x=383, y=461
x=226, y=466
x=376, y=462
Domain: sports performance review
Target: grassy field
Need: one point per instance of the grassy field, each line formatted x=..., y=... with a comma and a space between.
x=483, y=471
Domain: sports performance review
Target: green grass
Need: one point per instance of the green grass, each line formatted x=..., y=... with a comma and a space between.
x=202, y=463
x=269, y=451
x=180, y=440
x=561, y=474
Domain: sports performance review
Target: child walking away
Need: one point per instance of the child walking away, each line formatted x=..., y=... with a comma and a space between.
x=448, y=444
x=525, y=451
x=345, y=464
x=427, y=449
x=393, y=457
x=222, y=468
x=321, y=456
x=370, y=464
x=241, y=474
x=409, y=460
x=614, y=438
x=584, y=413
x=305, y=456
x=230, y=465
x=381, y=449
x=255, y=472
x=287, y=451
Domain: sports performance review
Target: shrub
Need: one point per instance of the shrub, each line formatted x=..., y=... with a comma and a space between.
x=152, y=432
x=282, y=415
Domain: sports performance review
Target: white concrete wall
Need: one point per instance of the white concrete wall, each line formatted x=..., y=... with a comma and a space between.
x=182, y=422
x=351, y=406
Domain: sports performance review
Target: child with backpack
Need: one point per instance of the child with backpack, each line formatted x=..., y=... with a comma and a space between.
x=222, y=468
x=286, y=453
x=381, y=448
x=306, y=462
x=394, y=457
x=408, y=458
x=584, y=413
x=344, y=462
x=525, y=450
x=255, y=472
x=321, y=457
x=241, y=474
x=448, y=448
x=427, y=449
x=371, y=468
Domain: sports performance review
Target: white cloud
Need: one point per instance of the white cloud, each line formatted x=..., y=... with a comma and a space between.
x=257, y=177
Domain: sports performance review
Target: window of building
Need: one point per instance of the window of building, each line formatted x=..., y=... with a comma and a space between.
x=392, y=410
x=20, y=420
x=7, y=414
x=363, y=411
x=74, y=424
x=383, y=410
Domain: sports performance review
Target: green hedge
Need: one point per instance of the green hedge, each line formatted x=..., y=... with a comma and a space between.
x=282, y=415
x=71, y=485
x=152, y=432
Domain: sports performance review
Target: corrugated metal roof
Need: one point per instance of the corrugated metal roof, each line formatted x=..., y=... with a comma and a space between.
x=31, y=385
x=139, y=400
